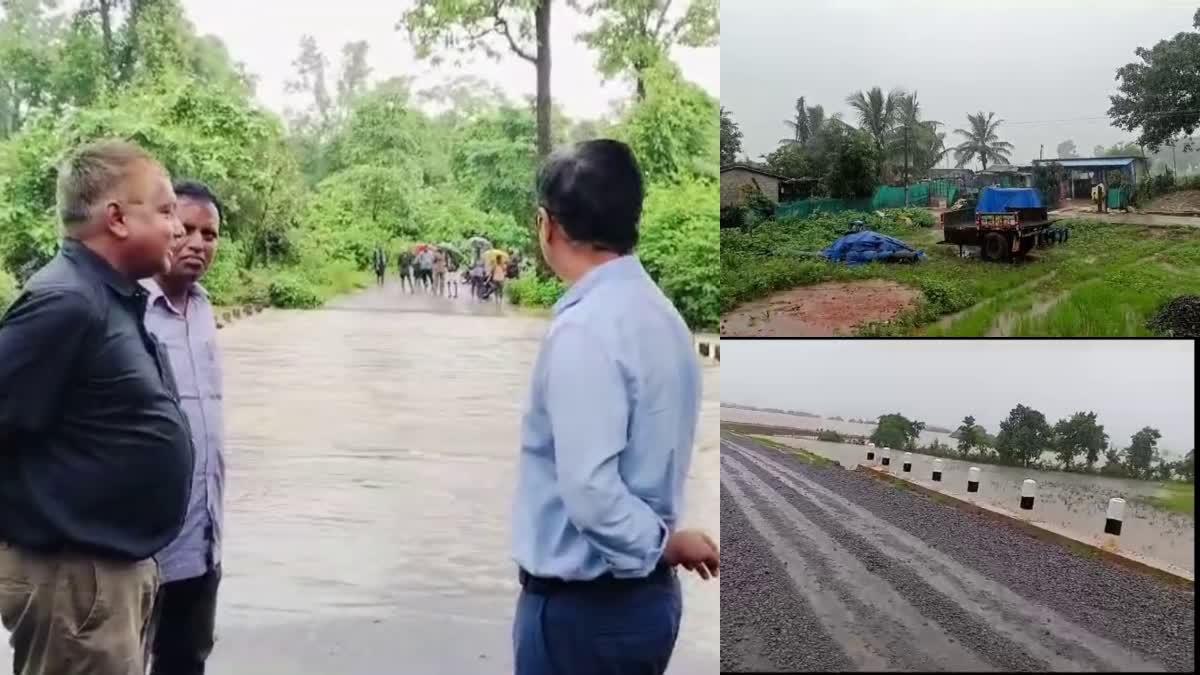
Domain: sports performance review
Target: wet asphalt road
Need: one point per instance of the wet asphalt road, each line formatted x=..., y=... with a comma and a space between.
x=828, y=569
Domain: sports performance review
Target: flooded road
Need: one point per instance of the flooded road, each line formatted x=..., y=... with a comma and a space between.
x=827, y=570
x=372, y=455
x=814, y=423
x=1073, y=501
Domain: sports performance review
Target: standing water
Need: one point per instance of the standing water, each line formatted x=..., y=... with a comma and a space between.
x=372, y=449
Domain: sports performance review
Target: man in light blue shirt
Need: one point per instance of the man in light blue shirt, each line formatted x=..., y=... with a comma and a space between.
x=180, y=315
x=606, y=440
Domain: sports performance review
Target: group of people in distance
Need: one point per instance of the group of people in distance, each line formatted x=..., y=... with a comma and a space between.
x=113, y=446
x=435, y=270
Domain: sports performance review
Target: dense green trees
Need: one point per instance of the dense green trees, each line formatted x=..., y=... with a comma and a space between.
x=358, y=164
x=897, y=432
x=1160, y=96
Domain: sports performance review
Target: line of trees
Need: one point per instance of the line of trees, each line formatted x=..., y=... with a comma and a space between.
x=1078, y=442
x=357, y=163
x=891, y=144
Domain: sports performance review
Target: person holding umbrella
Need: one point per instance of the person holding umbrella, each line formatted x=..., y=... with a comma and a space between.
x=439, y=271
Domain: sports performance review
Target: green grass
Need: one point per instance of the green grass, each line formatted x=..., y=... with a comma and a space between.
x=1108, y=280
x=1174, y=497
x=803, y=455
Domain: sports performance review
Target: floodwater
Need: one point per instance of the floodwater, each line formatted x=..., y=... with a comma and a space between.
x=1076, y=502
x=815, y=423
x=372, y=455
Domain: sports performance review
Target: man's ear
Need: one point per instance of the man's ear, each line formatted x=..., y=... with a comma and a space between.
x=114, y=220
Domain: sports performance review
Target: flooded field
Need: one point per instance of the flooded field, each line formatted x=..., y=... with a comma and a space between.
x=372, y=454
x=814, y=423
x=1073, y=501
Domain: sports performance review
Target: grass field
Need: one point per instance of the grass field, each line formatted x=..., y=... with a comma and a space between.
x=1108, y=280
x=1176, y=497
x=803, y=455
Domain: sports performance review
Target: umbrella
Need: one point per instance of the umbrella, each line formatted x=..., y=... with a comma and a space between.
x=451, y=252
x=496, y=255
x=417, y=248
x=479, y=243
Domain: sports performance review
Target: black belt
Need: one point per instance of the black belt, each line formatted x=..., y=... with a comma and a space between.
x=547, y=585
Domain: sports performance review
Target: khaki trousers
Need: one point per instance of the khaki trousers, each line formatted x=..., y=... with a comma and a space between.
x=72, y=614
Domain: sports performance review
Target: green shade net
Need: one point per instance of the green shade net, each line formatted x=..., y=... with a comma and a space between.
x=885, y=197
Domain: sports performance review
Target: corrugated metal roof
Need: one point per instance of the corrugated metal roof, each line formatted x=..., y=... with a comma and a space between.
x=1094, y=161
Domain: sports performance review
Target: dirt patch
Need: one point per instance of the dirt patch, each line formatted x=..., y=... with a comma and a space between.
x=1183, y=202
x=828, y=309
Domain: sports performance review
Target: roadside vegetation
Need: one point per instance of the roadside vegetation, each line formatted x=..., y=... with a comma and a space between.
x=357, y=163
x=1077, y=443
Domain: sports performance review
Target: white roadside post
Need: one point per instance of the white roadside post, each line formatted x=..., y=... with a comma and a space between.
x=1116, y=513
x=887, y=457
x=907, y=462
x=1112, y=523
x=973, y=479
x=870, y=455
x=937, y=470
x=1028, y=490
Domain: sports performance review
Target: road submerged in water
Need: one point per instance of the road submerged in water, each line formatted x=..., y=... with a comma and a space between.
x=372, y=448
x=826, y=569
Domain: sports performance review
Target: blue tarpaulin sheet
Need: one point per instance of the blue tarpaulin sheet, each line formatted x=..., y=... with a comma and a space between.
x=999, y=200
x=864, y=247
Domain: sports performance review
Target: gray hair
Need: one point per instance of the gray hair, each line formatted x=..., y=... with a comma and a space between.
x=90, y=173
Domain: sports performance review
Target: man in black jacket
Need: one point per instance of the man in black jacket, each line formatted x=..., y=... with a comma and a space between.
x=95, y=453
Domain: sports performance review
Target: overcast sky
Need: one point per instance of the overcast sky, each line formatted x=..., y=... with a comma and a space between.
x=1032, y=62
x=265, y=35
x=1129, y=384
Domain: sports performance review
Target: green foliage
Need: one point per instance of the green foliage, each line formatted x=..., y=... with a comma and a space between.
x=533, y=292
x=1079, y=436
x=897, y=432
x=731, y=138
x=8, y=290
x=829, y=435
x=673, y=131
x=1067, y=150
x=289, y=289
x=680, y=247
x=1142, y=450
x=982, y=142
x=633, y=35
x=1158, y=94
x=853, y=165
x=1024, y=434
x=970, y=436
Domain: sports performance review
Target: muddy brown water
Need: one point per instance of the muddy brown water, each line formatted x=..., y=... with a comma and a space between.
x=1076, y=502
x=821, y=310
x=372, y=454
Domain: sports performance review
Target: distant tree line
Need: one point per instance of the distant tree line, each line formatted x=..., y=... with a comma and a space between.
x=1078, y=442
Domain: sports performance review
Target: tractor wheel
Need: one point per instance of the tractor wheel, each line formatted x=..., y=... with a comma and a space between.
x=995, y=247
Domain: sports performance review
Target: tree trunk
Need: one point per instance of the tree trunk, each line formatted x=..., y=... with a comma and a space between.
x=542, y=19
x=542, y=22
x=106, y=29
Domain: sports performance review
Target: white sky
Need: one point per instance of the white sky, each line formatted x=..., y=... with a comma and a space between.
x=1130, y=384
x=265, y=35
x=1032, y=62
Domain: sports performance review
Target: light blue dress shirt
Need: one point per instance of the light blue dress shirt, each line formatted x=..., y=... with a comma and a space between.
x=191, y=342
x=606, y=439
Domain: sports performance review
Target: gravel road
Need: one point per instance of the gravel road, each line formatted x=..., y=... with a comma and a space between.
x=828, y=569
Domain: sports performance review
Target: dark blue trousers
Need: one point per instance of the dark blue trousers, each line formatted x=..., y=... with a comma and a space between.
x=624, y=631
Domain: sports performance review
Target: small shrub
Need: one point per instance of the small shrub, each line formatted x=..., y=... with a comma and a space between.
x=944, y=297
x=529, y=291
x=288, y=290
x=829, y=435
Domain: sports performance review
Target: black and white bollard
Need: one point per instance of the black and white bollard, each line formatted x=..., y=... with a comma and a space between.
x=1028, y=489
x=887, y=457
x=937, y=470
x=870, y=455
x=907, y=462
x=973, y=479
x=1116, y=513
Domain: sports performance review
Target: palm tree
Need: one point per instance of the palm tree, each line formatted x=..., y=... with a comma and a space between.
x=877, y=115
x=914, y=143
x=807, y=125
x=982, y=142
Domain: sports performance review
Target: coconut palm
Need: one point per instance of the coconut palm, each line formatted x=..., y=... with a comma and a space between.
x=808, y=123
x=982, y=142
x=915, y=143
x=877, y=115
